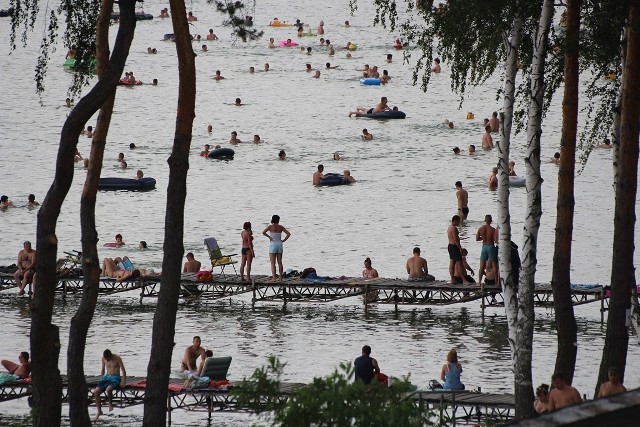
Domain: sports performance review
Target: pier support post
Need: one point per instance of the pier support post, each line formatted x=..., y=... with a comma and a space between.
x=169, y=409
x=366, y=298
x=483, y=297
x=253, y=289
x=602, y=295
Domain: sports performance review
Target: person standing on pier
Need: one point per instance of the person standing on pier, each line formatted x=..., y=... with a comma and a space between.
x=455, y=252
x=489, y=237
x=275, y=247
x=365, y=366
x=111, y=380
x=247, y=251
x=563, y=394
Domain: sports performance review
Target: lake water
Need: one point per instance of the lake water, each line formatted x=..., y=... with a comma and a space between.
x=404, y=197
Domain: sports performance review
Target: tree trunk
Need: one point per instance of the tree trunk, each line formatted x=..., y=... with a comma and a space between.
x=524, y=339
x=614, y=353
x=45, y=345
x=566, y=325
x=509, y=288
x=78, y=409
x=158, y=370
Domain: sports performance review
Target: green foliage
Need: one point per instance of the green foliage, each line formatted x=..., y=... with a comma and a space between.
x=335, y=400
x=236, y=19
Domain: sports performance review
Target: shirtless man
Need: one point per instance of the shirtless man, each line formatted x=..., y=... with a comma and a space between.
x=455, y=251
x=192, y=265
x=492, y=184
x=211, y=35
x=234, y=138
x=218, y=75
x=21, y=369
x=417, y=268
x=611, y=387
x=26, y=267
x=318, y=175
x=563, y=394
x=191, y=354
x=111, y=367
x=382, y=106
x=366, y=135
x=472, y=150
x=463, y=201
x=191, y=18
x=487, y=140
x=487, y=235
x=436, y=66
x=205, y=151
x=604, y=144
x=494, y=123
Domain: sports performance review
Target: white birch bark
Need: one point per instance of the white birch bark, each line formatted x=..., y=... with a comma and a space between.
x=524, y=339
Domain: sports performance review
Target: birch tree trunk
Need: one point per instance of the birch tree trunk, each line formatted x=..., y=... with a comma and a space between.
x=614, y=353
x=45, y=344
x=524, y=339
x=78, y=405
x=164, y=321
x=566, y=326
x=509, y=285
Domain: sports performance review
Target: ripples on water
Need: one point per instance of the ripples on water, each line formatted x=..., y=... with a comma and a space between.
x=405, y=197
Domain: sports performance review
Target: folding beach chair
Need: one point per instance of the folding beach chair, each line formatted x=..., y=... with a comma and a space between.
x=216, y=257
x=216, y=368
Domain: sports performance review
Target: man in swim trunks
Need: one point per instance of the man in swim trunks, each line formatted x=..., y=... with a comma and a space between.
x=492, y=184
x=192, y=265
x=318, y=175
x=417, y=268
x=21, y=369
x=191, y=354
x=382, y=106
x=487, y=140
x=455, y=251
x=487, y=235
x=26, y=267
x=463, y=201
x=111, y=380
x=563, y=394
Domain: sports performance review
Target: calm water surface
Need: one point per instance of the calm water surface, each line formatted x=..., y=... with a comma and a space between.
x=404, y=197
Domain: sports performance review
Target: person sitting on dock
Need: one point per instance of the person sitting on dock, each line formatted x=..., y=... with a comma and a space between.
x=466, y=267
x=209, y=354
x=541, y=405
x=22, y=369
x=563, y=394
x=369, y=272
x=191, y=353
x=26, y=267
x=417, y=268
x=611, y=387
x=192, y=265
x=120, y=269
x=451, y=371
x=365, y=366
x=111, y=379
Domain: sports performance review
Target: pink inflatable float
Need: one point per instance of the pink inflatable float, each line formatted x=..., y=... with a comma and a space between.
x=287, y=43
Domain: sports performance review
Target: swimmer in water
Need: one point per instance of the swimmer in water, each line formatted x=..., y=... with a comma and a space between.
x=238, y=102
x=308, y=68
x=252, y=70
x=331, y=67
x=205, y=48
x=266, y=66
x=337, y=156
x=316, y=75
x=282, y=155
x=218, y=76
x=205, y=151
x=234, y=138
x=436, y=66
x=347, y=176
x=211, y=35
x=257, y=139
x=271, y=44
x=366, y=135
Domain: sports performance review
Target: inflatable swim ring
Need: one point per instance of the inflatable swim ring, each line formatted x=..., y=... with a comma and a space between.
x=352, y=47
x=389, y=114
x=333, y=179
x=69, y=63
x=140, y=16
x=6, y=12
x=130, y=184
x=470, y=115
x=370, y=81
x=221, y=154
x=285, y=43
x=517, y=181
x=275, y=23
x=124, y=82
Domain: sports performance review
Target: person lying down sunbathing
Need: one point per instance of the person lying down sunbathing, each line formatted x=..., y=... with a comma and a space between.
x=122, y=269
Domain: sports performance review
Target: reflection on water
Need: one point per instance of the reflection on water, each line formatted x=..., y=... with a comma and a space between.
x=404, y=197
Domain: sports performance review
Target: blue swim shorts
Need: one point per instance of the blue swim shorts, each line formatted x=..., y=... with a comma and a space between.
x=488, y=252
x=276, y=248
x=109, y=380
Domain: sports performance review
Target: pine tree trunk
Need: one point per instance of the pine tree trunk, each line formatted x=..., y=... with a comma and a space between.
x=566, y=325
x=614, y=353
x=507, y=280
x=158, y=370
x=78, y=410
x=524, y=339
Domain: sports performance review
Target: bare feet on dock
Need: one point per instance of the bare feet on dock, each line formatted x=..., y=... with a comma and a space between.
x=110, y=407
x=98, y=415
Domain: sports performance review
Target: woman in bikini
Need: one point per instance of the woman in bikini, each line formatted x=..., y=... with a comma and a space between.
x=247, y=250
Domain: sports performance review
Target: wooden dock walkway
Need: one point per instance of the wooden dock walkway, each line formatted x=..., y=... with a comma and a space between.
x=397, y=292
x=462, y=406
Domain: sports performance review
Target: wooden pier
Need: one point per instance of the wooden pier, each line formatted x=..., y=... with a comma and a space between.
x=459, y=406
x=397, y=292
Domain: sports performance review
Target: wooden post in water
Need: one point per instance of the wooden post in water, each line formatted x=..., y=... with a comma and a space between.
x=602, y=294
x=483, y=296
x=169, y=409
x=453, y=408
x=253, y=289
x=366, y=298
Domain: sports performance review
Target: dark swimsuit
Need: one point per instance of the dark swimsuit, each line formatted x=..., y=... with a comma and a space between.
x=454, y=252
